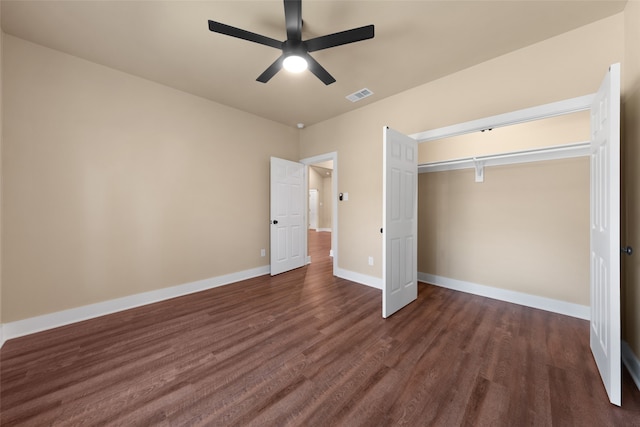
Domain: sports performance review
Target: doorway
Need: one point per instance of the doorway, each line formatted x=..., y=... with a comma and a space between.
x=322, y=185
x=320, y=196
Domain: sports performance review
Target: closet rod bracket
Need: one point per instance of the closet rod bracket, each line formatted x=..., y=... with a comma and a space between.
x=479, y=166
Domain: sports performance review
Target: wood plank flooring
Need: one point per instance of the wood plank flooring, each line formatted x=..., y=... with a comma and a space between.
x=308, y=349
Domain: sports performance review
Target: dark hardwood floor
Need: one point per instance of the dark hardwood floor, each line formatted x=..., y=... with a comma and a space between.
x=308, y=349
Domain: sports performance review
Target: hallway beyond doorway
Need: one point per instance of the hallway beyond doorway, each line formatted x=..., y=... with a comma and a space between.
x=319, y=243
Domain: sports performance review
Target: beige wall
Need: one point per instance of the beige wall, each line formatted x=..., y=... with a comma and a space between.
x=526, y=224
x=114, y=185
x=631, y=165
x=315, y=180
x=562, y=67
x=525, y=228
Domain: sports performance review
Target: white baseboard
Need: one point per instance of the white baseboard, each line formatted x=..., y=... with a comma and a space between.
x=1, y=336
x=542, y=303
x=323, y=229
x=53, y=320
x=363, y=279
x=632, y=363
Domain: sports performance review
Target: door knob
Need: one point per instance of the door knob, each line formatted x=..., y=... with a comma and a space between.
x=628, y=250
x=274, y=222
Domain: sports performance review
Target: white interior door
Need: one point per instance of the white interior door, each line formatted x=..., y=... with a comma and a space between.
x=400, y=219
x=288, y=225
x=313, y=209
x=605, y=233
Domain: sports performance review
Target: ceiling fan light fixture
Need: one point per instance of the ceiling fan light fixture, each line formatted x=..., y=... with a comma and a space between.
x=295, y=64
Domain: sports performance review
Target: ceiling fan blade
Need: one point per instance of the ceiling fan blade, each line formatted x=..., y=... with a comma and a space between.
x=293, y=19
x=338, y=39
x=228, y=30
x=271, y=71
x=319, y=70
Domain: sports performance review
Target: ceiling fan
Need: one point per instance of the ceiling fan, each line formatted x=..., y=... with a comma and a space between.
x=295, y=51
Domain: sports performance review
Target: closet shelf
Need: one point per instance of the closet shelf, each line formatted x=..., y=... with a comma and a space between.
x=555, y=152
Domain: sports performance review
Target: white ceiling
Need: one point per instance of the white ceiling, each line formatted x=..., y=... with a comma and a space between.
x=415, y=42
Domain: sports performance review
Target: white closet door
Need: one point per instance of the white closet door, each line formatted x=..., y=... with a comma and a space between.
x=605, y=233
x=400, y=219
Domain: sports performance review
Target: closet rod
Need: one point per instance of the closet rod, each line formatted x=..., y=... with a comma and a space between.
x=525, y=156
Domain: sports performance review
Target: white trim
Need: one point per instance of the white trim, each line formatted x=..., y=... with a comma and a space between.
x=542, y=303
x=53, y=320
x=1, y=335
x=553, y=109
x=363, y=279
x=333, y=156
x=319, y=230
x=556, y=152
x=320, y=158
x=632, y=363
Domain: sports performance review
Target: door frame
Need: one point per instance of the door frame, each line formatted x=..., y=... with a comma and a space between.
x=333, y=156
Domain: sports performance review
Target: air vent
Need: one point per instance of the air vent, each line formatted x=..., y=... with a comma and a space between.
x=361, y=94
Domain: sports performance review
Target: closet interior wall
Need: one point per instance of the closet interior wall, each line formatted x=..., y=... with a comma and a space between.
x=525, y=228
